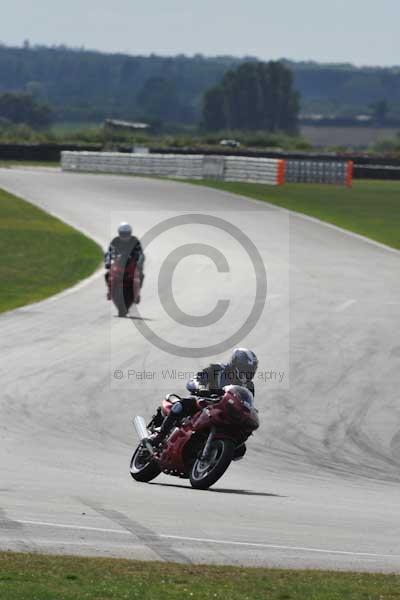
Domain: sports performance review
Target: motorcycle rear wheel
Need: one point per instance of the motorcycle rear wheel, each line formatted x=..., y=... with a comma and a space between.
x=204, y=474
x=119, y=301
x=141, y=470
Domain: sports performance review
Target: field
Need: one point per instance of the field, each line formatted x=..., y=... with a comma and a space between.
x=40, y=255
x=33, y=576
x=350, y=137
x=370, y=208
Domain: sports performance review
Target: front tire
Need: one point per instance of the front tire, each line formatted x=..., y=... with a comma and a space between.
x=142, y=468
x=204, y=474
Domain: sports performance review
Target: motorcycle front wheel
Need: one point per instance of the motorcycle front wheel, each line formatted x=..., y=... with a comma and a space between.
x=204, y=474
x=142, y=467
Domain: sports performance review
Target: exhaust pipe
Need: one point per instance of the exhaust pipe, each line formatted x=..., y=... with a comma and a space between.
x=143, y=433
x=141, y=428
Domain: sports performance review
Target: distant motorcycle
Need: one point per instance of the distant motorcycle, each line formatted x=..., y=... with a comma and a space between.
x=201, y=447
x=124, y=284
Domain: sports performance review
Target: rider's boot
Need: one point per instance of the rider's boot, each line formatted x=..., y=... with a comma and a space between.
x=107, y=277
x=164, y=430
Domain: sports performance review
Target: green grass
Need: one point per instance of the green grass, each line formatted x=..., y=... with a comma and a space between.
x=40, y=255
x=67, y=127
x=37, y=577
x=8, y=164
x=370, y=208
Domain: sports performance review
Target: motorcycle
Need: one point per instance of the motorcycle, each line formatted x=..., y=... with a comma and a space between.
x=124, y=284
x=201, y=447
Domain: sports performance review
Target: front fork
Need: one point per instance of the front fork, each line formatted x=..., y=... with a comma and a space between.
x=205, y=455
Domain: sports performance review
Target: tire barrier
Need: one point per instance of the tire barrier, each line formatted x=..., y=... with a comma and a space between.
x=269, y=171
x=167, y=165
x=365, y=167
x=257, y=170
x=224, y=168
x=312, y=171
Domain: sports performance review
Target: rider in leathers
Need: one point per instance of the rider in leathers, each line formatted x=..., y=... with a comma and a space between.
x=210, y=383
x=127, y=246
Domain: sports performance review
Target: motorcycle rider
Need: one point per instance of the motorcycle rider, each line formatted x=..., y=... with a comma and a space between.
x=128, y=247
x=209, y=382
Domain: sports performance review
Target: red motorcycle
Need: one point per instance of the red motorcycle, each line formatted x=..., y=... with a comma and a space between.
x=201, y=447
x=124, y=284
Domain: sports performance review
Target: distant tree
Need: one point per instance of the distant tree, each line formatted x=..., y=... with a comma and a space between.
x=255, y=96
x=36, y=90
x=380, y=110
x=22, y=108
x=214, y=116
x=158, y=99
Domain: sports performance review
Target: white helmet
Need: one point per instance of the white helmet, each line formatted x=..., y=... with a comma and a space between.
x=124, y=231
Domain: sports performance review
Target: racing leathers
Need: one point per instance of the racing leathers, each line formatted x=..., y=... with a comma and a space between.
x=127, y=249
x=214, y=378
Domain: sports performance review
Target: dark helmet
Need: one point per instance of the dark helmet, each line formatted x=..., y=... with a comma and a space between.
x=245, y=364
x=124, y=232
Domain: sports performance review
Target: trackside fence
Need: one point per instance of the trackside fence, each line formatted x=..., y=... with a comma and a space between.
x=269, y=171
x=313, y=171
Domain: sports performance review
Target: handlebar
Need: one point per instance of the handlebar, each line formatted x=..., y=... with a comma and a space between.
x=169, y=396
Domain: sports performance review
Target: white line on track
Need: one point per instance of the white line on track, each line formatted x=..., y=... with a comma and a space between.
x=280, y=547
x=78, y=527
x=214, y=541
x=345, y=305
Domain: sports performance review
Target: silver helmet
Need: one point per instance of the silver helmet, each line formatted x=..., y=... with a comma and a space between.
x=245, y=363
x=124, y=231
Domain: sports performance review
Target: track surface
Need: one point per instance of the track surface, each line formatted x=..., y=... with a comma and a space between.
x=320, y=484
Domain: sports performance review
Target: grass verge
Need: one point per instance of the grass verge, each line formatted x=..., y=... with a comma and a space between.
x=34, y=576
x=8, y=164
x=370, y=208
x=40, y=255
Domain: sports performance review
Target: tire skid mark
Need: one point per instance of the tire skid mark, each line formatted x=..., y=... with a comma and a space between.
x=14, y=529
x=151, y=539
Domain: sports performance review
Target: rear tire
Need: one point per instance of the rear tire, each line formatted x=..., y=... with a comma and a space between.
x=141, y=470
x=119, y=301
x=128, y=297
x=204, y=475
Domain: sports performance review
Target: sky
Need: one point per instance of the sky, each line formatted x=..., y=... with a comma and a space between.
x=355, y=31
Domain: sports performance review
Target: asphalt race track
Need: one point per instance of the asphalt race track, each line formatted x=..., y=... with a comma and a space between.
x=320, y=485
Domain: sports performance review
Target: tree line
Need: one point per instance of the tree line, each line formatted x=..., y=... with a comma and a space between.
x=89, y=86
x=21, y=107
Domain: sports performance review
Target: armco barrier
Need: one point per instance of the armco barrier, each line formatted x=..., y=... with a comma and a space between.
x=225, y=168
x=377, y=172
